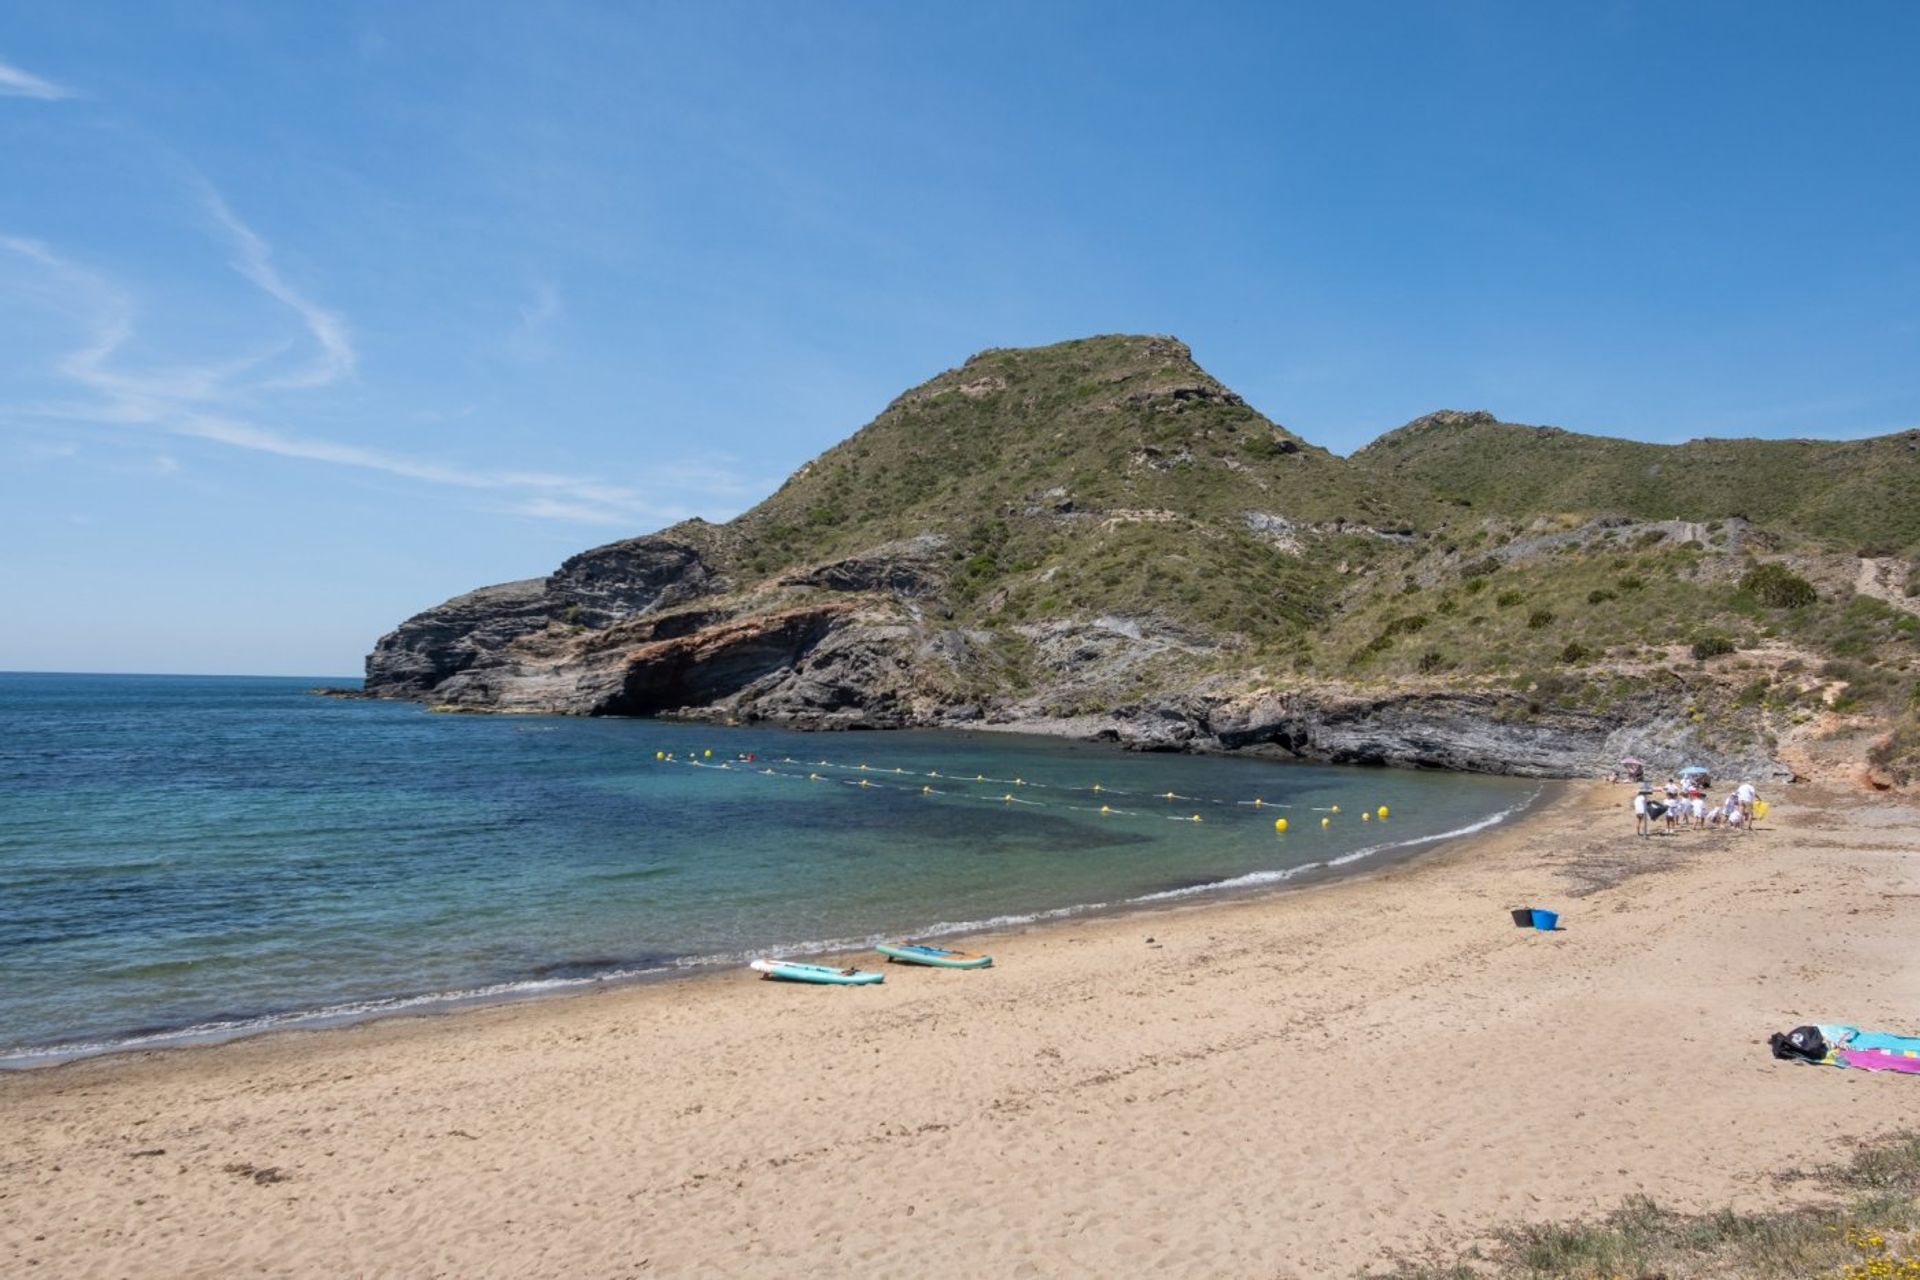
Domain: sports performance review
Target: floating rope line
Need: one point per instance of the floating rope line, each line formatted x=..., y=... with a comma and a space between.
x=745, y=763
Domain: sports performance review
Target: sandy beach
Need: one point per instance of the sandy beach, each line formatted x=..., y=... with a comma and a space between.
x=1283, y=1086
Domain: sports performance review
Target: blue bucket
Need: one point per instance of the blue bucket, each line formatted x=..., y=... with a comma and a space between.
x=1547, y=920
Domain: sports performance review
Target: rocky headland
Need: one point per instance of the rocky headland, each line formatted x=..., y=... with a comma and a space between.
x=1101, y=540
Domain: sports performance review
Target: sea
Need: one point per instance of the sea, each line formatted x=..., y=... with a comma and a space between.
x=187, y=858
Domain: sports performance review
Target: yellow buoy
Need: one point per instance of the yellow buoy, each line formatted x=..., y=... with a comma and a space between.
x=1383, y=811
x=1325, y=821
x=1096, y=786
x=1019, y=782
x=708, y=753
x=1008, y=797
x=863, y=768
x=1364, y=815
x=926, y=791
x=1194, y=818
x=1105, y=809
x=659, y=755
x=1336, y=808
x=865, y=783
x=1258, y=802
x=1279, y=824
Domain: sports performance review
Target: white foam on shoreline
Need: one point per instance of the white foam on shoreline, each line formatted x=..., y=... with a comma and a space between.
x=25, y=1056
x=1254, y=879
x=325, y=1015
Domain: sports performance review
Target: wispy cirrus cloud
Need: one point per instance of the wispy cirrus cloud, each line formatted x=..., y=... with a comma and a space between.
x=16, y=82
x=217, y=401
x=531, y=339
x=253, y=259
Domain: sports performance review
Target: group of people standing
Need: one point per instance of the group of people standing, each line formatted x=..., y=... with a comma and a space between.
x=1685, y=804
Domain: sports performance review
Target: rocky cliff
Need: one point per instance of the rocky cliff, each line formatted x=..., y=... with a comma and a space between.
x=1099, y=538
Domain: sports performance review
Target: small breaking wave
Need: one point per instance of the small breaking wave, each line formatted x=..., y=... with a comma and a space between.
x=1255, y=879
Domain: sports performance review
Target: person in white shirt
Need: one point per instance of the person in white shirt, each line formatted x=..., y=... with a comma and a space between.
x=1640, y=798
x=1746, y=795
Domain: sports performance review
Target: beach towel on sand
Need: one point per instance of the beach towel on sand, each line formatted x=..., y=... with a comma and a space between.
x=1879, y=1060
x=1863, y=1050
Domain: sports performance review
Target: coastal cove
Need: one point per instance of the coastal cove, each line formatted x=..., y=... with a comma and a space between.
x=1365, y=1067
x=197, y=858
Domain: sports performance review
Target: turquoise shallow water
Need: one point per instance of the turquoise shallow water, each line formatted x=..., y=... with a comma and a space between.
x=198, y=856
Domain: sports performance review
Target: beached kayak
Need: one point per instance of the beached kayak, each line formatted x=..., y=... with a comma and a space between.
x=938, y=957
x=794, y=972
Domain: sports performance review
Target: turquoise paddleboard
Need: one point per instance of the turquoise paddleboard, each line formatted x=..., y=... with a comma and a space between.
x=791, y=971
x=938, y=957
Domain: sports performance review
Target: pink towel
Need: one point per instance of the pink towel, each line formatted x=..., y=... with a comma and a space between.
x=1879, y=1060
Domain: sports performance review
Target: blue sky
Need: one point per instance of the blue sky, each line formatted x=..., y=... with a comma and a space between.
x=313, y=315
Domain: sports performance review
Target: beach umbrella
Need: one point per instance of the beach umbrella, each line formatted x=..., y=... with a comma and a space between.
x=1632, y=761
x=1693, y=769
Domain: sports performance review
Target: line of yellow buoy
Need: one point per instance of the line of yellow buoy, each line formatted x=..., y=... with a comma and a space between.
x=1280, y=825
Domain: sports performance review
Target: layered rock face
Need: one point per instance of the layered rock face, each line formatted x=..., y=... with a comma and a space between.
x=646, y=627
x=430, y=648
x=477, y=630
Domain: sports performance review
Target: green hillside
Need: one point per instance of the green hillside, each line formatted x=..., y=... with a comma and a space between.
x=1110, y=474
x=1851, y=493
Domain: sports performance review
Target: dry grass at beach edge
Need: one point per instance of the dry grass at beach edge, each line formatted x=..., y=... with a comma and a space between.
x=1868, y=1228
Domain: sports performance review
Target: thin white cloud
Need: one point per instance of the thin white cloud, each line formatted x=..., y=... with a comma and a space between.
x=531, y=338
x=551, y=496
x=109, y=315
x=253, y=258
x=17, y=83
x=214, y=401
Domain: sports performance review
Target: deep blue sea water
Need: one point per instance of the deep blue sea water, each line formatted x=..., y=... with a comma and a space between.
x=185, y=857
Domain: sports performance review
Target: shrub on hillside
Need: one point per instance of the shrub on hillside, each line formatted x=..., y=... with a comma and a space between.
x=1712, y=645
x=1600, y=595
x=1575, y=652
x=1539, y=619
x=1778, y=587
x=1507, y=599
x=1480, y=568
x=1434, y=660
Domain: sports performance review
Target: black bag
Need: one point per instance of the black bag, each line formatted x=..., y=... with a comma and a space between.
x=1803, y=1044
